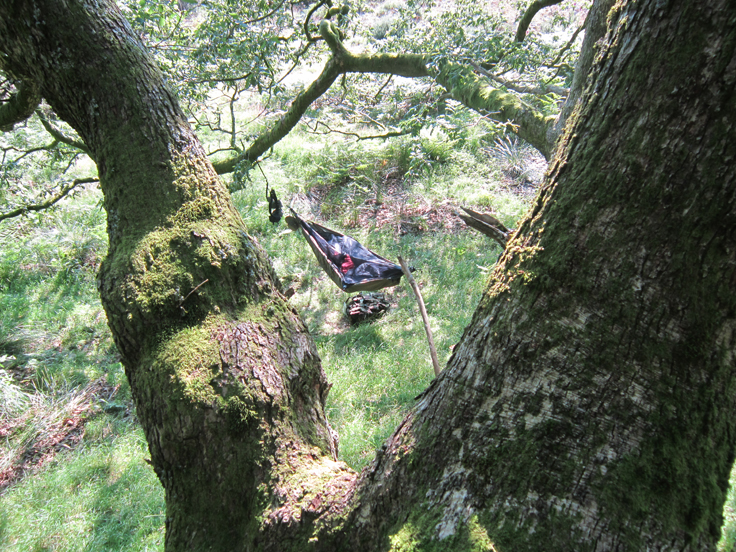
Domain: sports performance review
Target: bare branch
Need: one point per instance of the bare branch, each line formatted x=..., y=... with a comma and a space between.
x=26, y=152
x=569, y=44
x=266, y=16
x=65, y=190
x=559, y=90
x=59, y=135
x=529, y=14
x=385, y=84
x=220, y=79
x=357, y=136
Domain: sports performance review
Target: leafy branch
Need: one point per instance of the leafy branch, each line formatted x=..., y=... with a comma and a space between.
x=460, y=80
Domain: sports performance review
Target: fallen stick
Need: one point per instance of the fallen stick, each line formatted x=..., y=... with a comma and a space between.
x=425, y=318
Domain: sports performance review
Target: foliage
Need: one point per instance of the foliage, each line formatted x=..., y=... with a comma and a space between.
x=226, y=50
x=219, y=53
x=35, y=166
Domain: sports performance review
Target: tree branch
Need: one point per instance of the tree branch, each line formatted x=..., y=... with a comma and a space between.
x=59, y=135
x=65, y=190
x=357, y=136
x=568, y=44
x=21, y=105
x=287, y=122
x=476, y=93
x=559, y=90
x=531, y=11
x=460, y=80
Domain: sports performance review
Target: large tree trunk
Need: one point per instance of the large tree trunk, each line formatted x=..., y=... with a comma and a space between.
x=589, y=405
x=227, y=383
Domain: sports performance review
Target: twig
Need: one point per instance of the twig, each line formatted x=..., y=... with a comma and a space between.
x=425, y=318
x=559, y=90
x=49, y=202
x=385, y=84
x=195, y=289
x=569, y=44
x=357, y=136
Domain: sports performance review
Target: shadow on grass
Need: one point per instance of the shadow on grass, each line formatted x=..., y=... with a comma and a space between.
x=127, y=517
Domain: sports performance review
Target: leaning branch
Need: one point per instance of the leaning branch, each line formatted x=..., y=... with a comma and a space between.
x=531, y=11
x=65, y=190
x=461, y=81
x=425, y=318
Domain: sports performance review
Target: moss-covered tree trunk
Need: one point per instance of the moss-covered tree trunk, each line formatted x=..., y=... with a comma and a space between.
x=226, y=380
x=589, y=405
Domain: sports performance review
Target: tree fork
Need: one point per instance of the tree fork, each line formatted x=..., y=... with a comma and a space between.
x=587, y=406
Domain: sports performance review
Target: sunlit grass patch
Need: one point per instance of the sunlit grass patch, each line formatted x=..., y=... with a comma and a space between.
x=102, y=497
x=367, y=190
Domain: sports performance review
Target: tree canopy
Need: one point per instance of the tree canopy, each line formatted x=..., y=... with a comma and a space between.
x=223, y=50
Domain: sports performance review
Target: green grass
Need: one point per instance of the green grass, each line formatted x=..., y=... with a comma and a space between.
x=101, y=497
x=377, y=369
x=54, y=348
x=54, y=342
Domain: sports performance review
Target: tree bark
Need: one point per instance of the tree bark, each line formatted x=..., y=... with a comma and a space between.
x=595, y=30
x=226, y=380
x=589, y=404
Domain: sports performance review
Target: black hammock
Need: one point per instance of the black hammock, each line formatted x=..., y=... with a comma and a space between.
x=350, y=265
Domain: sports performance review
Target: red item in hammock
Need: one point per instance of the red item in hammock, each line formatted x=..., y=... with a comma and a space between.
x=347, y=264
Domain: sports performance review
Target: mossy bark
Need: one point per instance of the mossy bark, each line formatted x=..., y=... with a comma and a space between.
x=588, y=405
x=226, y=380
